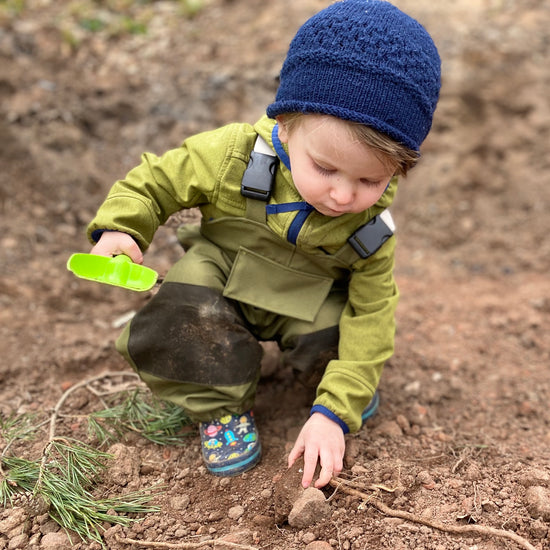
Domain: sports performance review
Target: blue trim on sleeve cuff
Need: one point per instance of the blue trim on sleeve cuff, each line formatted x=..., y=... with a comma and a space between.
x=96, y=235
x=329, y=414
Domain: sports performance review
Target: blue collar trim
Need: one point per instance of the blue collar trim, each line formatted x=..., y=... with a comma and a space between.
x=279, y=149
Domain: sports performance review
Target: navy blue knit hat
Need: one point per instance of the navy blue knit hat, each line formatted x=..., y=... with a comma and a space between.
x=364, y=61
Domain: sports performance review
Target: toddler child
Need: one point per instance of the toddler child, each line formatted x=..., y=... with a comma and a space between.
x=295, y=243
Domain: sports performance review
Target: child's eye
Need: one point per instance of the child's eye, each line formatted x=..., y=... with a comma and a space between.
x=322, y=170
x=370, y=183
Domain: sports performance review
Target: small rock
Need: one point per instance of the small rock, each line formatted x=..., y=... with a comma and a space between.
x=319, y=545
x=309, y=509
x=473, y=473
x=537, y=502
x=55, y=541
x=235, y=512
x=288, y=488
x=308, y=538
x=538, y=529
x=266, y=493
x=354, y=532
x=180, y=502
x=389, y=428
x=352, y=452
x=216, y=515
x=271, y=360
x=147, y=469
x=49, y=526
x=535, y=476
x=403, y=423
x=262, y=520
x=14, y=522
x=425, y=479
x=18, y=542
x=125, y=465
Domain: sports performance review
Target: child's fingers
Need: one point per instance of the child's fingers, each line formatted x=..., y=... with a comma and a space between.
x=310, y=464
x=113, y=243
x=324, y=477
x=295, y=453
x=330, y=465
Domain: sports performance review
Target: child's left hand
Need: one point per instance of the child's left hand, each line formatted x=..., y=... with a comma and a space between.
x=320, y=439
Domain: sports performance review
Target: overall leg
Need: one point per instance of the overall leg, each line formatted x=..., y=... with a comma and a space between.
x=190, y=344
x=308, y=347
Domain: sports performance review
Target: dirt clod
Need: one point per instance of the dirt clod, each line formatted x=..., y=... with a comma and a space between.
x=537, y=500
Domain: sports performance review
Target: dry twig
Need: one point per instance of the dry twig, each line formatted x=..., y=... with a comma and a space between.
x=480, y=530
x=185, y=545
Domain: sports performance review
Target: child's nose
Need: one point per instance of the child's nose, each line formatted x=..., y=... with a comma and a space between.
x=342, y=192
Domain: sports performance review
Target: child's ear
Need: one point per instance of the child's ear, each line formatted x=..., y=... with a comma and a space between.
x=282, y=129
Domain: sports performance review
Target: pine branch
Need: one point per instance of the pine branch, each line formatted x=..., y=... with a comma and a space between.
x=63, y=477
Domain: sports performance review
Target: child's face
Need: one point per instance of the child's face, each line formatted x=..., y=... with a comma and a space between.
x=333, y=171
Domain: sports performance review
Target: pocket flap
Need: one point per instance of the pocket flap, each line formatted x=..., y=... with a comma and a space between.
x=263, y=283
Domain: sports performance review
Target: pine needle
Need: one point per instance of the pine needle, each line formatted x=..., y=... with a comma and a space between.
x=64, y=476
x=158, y=421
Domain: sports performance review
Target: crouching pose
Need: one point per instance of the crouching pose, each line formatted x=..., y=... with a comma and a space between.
x=295, y=244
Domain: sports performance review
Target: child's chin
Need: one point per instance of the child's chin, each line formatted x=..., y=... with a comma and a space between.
x=330, y=212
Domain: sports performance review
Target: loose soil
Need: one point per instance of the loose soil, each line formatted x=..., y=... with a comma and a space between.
x=463, y=433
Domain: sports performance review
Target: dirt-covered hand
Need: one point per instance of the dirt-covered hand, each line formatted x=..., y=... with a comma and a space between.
x=113, y=243
x=321, y=439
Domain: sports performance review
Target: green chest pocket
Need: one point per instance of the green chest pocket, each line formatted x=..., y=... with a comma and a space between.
x=260, y=282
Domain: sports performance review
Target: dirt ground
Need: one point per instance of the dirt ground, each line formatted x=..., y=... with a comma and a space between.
x=462, y=438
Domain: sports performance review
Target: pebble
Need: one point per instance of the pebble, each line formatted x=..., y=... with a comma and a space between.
x=424, y=478
x=309, y=509
x=235, y=512
x=473, y=473
x=14, y=522
x=403, y=423
x=535, y=476
x=538, y=529
x=55, y=541
x=19, y=541
x=537, y=502
x=262, y=520
x=390, y=429
x=125, y=464
x=180, y=502
x=319, y=545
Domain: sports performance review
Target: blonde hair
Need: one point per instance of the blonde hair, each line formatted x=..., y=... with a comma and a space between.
x=393, y=154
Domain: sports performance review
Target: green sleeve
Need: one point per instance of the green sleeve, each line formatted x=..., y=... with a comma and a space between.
x=181, y=178
x=367, y=332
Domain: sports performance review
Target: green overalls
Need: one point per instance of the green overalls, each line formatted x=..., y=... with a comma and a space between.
x=240, y=282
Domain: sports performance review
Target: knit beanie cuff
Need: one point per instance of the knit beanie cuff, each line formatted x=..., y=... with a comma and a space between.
x=382, y=100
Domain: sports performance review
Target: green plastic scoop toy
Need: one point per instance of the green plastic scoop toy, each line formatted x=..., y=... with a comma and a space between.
x=117, y=271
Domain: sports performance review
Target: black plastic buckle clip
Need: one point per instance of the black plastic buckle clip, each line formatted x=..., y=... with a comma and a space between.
x=370, y=237
x=259, y=176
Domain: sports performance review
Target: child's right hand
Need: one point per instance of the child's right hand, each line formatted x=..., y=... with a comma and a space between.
x=113, y=243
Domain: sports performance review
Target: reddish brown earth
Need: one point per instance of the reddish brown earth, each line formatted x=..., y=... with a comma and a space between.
x=463, y=433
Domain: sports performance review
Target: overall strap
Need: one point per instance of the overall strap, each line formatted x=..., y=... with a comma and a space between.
x=258, y=179
x=368, y=238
